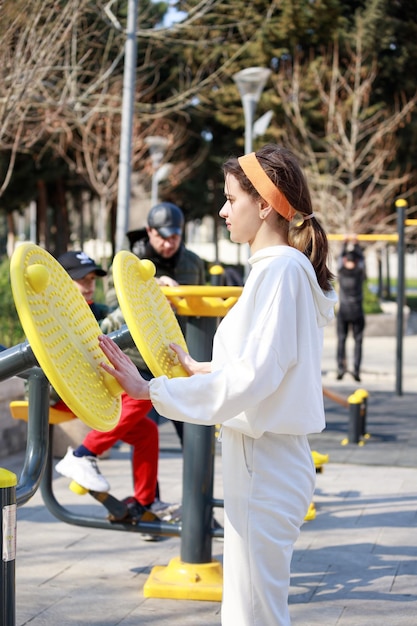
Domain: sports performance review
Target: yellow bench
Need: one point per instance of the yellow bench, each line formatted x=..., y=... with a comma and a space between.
x=20, y=411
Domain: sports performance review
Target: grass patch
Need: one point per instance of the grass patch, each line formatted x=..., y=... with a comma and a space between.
x=371, y=302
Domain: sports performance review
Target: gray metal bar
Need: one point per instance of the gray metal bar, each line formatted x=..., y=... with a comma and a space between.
x=401, y=205
x=37, y=436
x=65, y=515
x=125, y=158
x=15, y=361
x=198, y=464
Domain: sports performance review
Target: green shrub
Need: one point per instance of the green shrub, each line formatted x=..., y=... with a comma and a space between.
x=411, y=301
x=11, y=332
x=371, y=302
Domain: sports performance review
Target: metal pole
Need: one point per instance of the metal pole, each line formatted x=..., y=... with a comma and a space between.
x=401, y=205
x=380, y=277
x=354, y=429
x=37, y=436
x=388, y=273
x=125, y=156
x=198, y=463
x=249, y=107
x=8, y=482
x=154, y=191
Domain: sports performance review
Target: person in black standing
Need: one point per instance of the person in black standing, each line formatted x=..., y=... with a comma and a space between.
x=351, y=275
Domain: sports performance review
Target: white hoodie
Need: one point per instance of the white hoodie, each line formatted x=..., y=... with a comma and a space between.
x=266, y=364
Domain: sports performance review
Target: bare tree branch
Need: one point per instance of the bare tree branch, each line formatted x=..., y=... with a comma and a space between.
x=349, y=149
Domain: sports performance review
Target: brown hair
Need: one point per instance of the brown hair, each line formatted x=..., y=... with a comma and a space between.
x=285, y=172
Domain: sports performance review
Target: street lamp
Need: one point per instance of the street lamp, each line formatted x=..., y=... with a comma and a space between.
x=157, y=146
x=250, y=83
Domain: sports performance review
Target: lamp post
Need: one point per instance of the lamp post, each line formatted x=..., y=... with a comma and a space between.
x=125, y=170
x=250, y=82
x=157, y=146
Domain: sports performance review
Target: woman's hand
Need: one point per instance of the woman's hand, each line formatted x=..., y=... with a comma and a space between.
x=189, y=364
x=123, y=370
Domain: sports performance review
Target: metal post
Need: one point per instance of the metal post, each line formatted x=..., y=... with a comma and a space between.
x=198, y=464
x=388, y=274
x=380, y=278
x=401, y=205
x=362, y=397
x=364, y=412
x=8, y=482
x=37, y=436
x=249, y=108
x=354, y=430
x=250, y=82
x=125, y=156
x=154, y=189
x=157, y=147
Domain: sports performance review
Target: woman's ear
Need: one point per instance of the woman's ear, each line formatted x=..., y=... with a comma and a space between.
x=264, y=210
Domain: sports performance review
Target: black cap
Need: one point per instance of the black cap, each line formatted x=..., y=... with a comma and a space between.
x=78, y=264
x=167, y=219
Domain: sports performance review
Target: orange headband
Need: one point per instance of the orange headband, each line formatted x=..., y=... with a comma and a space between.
x=264, y=185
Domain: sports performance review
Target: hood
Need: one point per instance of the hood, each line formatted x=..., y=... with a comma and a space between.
x=325, y=301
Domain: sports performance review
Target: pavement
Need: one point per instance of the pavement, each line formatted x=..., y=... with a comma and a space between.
x=355, y=564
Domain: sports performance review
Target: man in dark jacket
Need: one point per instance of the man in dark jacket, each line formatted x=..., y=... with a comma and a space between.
x=351, y=277
x=161, y=242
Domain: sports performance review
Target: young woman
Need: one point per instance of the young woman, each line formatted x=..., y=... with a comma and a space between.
x=263, y=383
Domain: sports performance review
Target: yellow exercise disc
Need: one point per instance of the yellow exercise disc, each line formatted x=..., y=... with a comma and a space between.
x=148, y=314
x=63, y=334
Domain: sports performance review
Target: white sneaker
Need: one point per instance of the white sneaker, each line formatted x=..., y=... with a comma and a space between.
x=166, y=511
x=83, y=470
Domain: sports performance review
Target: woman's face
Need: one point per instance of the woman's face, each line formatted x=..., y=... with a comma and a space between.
x=240, y=212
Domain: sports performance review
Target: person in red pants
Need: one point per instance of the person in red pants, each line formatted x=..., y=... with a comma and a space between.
x=133, y=428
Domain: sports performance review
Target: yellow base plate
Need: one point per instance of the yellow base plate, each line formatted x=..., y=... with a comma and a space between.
x=63, y=334
x=148, y=314
x=311, y=513
x=319, y=459
x=186, y=581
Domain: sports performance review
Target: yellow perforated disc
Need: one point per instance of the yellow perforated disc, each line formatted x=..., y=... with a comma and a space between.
x=148, y=314
x=63, y=334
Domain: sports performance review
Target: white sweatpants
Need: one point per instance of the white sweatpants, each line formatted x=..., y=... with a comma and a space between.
x=268, y=485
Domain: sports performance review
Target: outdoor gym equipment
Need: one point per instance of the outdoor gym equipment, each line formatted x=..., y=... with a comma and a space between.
x=401, y=205
x=148, y=314
x=357, y=403
x=63, y=334
x=194, y=575
x=54, y=329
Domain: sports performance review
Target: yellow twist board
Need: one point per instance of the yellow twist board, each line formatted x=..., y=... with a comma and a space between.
x=148, y=314
x=63, y=334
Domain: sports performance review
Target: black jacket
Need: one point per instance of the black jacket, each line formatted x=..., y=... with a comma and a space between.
x=351, y=284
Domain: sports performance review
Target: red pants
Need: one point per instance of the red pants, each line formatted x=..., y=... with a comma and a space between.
x=138, y=430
